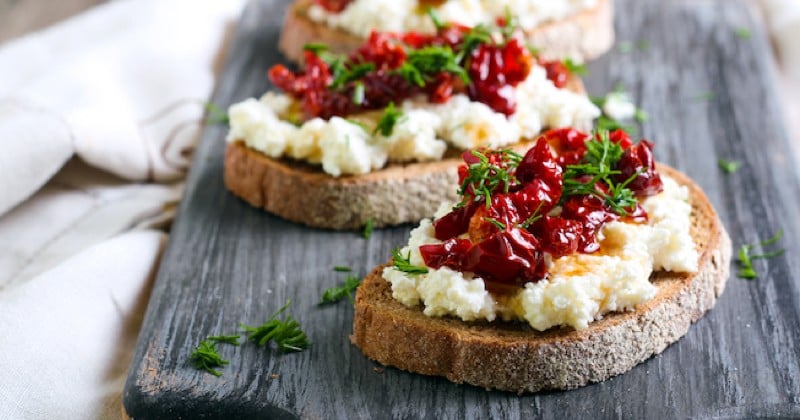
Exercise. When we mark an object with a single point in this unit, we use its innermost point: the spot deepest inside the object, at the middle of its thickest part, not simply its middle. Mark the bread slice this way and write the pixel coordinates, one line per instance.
(581, 37)
(513, 357)
(303, 193)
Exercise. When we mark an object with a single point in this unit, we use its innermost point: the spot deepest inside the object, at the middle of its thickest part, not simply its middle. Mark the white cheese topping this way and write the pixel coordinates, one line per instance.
(619, 106)
(362, 16)
(422, 133)
(580, 288)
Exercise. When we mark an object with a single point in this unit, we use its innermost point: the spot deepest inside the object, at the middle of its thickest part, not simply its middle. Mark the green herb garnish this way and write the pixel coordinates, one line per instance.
(745, 260)
(744, 33)
(286, 334)
(343, 75)
(602, 155)
(428, 61)
(368, 228)
(476, 36)
(391, 116)
(216, 115)
(575, 68)
(404, 264)
(342, 269)
(641, 116)
(335, 294)
(484, 177)
(206, 357)
(729, 166)
(437, 21)
(316, 48)
(625, 47)
(498, 224)
(705, 96)
(227, 339)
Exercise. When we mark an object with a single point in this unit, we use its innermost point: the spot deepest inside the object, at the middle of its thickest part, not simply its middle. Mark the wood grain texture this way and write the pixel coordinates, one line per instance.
(229, 263)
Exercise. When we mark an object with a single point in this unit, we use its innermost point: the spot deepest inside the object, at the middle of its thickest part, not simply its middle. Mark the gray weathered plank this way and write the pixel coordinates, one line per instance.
(227, 262)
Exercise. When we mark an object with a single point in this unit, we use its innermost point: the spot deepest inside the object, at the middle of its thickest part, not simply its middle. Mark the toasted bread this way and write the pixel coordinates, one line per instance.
(513, 357)
(303, 193)
(581, 37)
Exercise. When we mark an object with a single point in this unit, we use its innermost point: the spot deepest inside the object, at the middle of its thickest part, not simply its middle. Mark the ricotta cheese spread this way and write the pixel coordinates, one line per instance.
(580, 288)
(360, 17)
(423, 133)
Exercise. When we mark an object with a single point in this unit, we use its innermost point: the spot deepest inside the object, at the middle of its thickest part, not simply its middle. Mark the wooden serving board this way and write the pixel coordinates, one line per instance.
(229, 263)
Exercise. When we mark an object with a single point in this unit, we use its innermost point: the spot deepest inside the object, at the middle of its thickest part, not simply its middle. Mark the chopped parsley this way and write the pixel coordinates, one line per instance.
(575, 68)
(424, 62)
(498, 224)
(745, 260)
(403, 264)
(744, 33)
(316, 48)
(342, 269)
(484, 177)
(602, 155)
(729, 166)
(368, 228)
(335, 294)
(227, 339)
(391, 116)
(343, 75)
(206, 357)
(286, 334)
(705, 96)
(215, 115)
(624, 47)
(437, 21)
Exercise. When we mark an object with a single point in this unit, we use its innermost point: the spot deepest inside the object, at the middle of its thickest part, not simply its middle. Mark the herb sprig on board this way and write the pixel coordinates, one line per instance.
(745, 260)
(286, 333)
(337, 293)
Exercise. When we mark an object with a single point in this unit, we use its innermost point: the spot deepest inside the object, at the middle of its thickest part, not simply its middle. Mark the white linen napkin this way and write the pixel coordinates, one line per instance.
(98, 119)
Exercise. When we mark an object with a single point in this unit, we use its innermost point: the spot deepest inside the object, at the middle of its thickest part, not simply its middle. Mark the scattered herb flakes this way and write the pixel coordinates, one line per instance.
(744, 33)
(729, 166)
(286, 334)
(206, 357)
(745, 260)
(367, 233)
(215, 115)
(705, 96)
(391, 116)
(641, 116)
(227, 339)
(335, 294)
(575, 68)
(625, 47)
(342, 269)
(643, 45)
(404, 264)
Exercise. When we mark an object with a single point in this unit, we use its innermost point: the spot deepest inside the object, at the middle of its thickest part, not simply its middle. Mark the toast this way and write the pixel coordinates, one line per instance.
(511, 356)
(303, 193)
(581, 37)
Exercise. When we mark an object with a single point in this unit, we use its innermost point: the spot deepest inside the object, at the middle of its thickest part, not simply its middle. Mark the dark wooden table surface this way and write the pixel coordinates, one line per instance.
(710, 96)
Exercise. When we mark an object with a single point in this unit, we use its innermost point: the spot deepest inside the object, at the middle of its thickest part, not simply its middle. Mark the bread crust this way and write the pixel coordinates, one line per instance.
(581, 37)
(513, 357)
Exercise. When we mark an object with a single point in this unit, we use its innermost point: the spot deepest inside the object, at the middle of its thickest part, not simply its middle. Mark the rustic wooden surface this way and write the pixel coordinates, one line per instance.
(229, 263)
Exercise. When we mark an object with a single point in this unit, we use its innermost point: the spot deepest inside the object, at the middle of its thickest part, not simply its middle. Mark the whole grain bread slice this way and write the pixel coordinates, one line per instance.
(513, 357)
(303, 193)
(583, 36)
